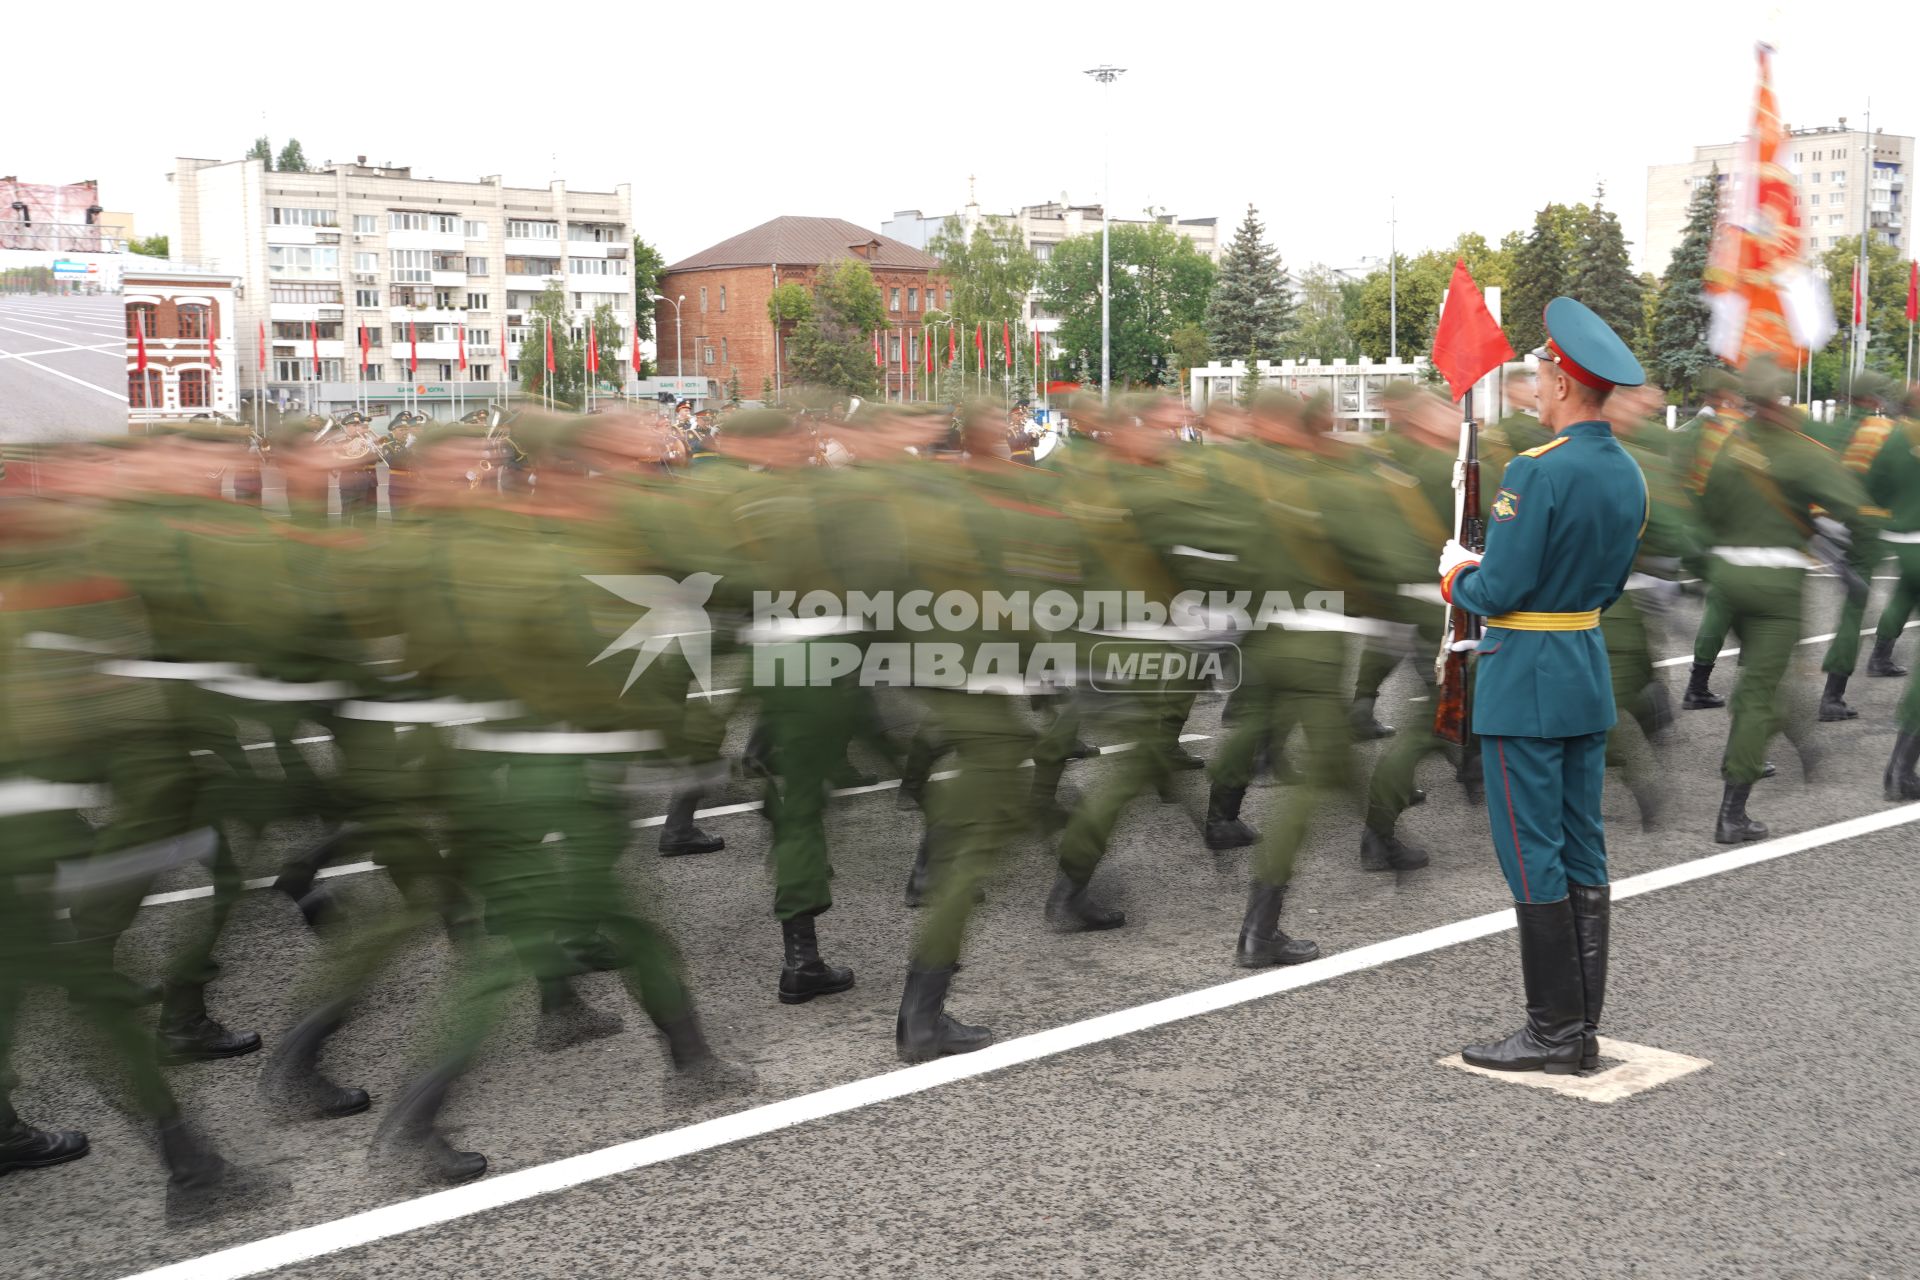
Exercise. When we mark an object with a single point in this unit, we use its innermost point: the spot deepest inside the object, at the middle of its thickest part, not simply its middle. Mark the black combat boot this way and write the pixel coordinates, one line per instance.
(1224, 828)
(1698, 697)
(1900, 782)
(1833, 699)
(1181, 760)
(187, 1034)
(805, 975)
(1734, 826)
(201, 1185)
(1071, 909)
(924, 1031)
(1383, 851)
(24, 1147)
(1592, 917)
(1262, 942)
(566, 1020)
(298, 874)
(699, 1074)
(1556, 997)
(292, 1079)
(680, 837)
(1366, 727)
(409, 1140)
(915, 771)
(918, 883)
(1880, 662)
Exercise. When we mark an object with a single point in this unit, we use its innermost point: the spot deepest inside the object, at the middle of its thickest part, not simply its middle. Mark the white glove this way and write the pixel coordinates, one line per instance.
(1453, 555)
(1833, 531)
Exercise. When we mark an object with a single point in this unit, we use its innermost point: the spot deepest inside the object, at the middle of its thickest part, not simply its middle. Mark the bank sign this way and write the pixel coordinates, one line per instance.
(68, 269)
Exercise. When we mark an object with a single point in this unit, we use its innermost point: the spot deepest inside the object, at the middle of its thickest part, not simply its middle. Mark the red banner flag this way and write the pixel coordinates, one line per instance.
(878, 363)
(313, 336)
(549, 344)
(463, 348)
(1859, 297)
(364, 346)
(413, 349)
(593, 349)
(980, 344)
(140, 339)
(1913, 291)
(1468, 343)
(636, 345)
(213, 339)
(953, 345)
(1036, 355)
(926, 347)
(1006, 343)
(262, 335)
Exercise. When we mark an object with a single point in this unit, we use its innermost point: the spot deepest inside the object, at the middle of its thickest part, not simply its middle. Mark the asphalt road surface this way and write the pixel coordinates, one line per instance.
(63, 367)
(1141, 1115)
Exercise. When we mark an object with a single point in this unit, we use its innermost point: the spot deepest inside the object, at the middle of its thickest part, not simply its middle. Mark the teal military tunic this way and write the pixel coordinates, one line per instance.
(1564, 530)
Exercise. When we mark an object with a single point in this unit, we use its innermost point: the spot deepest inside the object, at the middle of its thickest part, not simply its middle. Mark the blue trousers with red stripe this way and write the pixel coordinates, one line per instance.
(1543, 804)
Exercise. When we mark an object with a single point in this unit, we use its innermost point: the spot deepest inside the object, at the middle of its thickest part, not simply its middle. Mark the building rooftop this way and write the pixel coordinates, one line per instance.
(798, 241)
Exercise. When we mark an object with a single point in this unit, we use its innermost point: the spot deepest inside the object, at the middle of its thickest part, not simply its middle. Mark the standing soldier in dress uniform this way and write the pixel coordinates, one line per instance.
(1754, 506)
(1566, 526)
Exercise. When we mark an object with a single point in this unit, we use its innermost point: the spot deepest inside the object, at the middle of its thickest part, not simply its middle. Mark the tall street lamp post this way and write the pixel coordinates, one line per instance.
(1106, 75)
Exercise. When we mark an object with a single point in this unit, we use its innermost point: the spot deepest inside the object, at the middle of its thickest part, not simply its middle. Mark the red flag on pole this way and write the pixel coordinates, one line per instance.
(926, 347)
(1036, 354)
(463, 348)
(262, 335)
(636, 345)
(980, 344)
(1913, 291)
(313, 336)
(878, 363)
(213, 339)
(140, 339)
(1467, 343)
(549, 344)
(364, 346)
(593, 349)
(1006, 343)
(413, 349)
(953, 345)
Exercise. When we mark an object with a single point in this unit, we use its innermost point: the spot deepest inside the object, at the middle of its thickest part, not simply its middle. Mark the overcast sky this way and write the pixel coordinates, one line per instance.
(723, 115)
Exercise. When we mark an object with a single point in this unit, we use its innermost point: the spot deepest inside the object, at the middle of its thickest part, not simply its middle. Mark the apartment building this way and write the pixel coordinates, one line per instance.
(415, 261)
(1847, 179)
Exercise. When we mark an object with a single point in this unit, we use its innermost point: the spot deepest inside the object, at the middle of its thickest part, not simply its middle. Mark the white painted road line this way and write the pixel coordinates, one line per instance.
(408, 1216)
(1687, 659)
(120, 395)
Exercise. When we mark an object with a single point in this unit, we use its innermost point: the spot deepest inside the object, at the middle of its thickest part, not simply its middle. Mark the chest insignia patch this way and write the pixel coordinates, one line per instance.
(1506, 505)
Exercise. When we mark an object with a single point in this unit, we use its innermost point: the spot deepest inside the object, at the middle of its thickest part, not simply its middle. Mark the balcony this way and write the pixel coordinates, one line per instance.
(448, 279)
(440, 241)
(532, 284)
(402, 351)
(520, 247)
(426, 315)
(320, 312)
(293, 235)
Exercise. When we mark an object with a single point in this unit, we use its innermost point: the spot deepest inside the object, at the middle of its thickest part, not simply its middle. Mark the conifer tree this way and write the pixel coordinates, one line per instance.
(1251, 307)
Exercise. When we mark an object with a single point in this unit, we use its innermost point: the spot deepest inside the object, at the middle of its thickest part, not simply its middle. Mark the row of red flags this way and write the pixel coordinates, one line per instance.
(1913, 294)
(980, 345)
(413, 345)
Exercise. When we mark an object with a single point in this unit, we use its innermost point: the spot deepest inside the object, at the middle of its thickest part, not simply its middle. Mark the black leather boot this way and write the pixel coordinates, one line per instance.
(924, 1031)
(1833, 699)
(1181, 760)
(699, 1074)
(292, 1079)
(1900, 782)
(409, 1140)
(679, 836)
(1733, 825)
(1698, 697)
(918, 885)
(1556, 997)
(1880, 662)
(1366, 727)
(24, 1147)
(805, 975)
(297, 875)
(201, 1185)
(1224, 828)
(1592, 917)
(1386, 852)
(1071, 909)
(566, 1020)
(1262, 943)
(187, 1034)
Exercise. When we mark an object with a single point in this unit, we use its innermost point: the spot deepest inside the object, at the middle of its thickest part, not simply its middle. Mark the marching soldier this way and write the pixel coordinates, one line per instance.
(1566, 525)
(1871, 429)
(1893, 482)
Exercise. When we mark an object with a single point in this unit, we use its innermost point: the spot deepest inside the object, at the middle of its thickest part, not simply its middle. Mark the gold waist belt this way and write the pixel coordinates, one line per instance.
(1586, 620)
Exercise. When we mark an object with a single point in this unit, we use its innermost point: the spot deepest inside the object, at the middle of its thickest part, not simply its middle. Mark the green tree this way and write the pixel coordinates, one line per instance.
(549, 315)
(1403, 306)
(1190, 347)
(1251, 307)
(1604, 278)
(991, 271)
(647, 264)
(1540, 274)
(766, 389)
(733, 389)
(831, 346)
(292, 158)
(607, 337)
(1160, 283)
(261, 150)
(1677, 348)
(148, 246)
(1886, 314)
(1320, 317)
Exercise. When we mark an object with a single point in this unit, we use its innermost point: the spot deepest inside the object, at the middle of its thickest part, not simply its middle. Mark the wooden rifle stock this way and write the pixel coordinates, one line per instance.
(1450, 712)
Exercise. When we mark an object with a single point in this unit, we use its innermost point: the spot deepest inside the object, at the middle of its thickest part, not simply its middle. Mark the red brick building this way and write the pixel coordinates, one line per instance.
(724, 329)
(179, 324)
